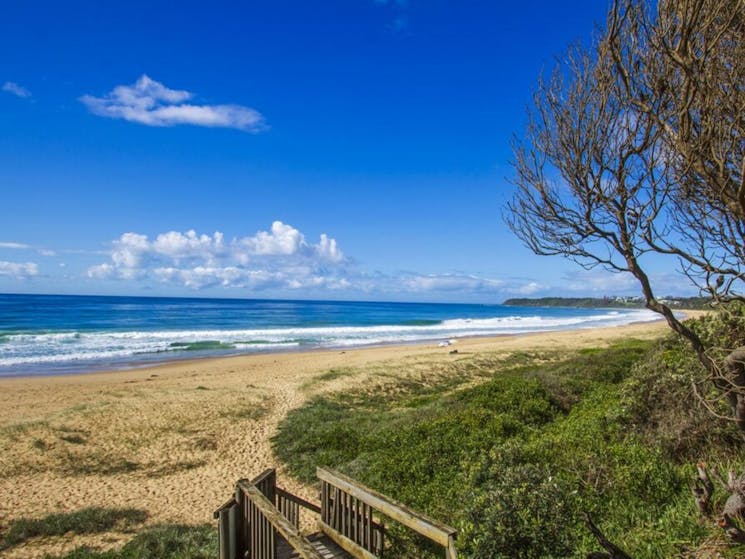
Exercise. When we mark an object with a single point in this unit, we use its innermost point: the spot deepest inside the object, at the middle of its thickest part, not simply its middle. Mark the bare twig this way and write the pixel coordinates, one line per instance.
(612, 550)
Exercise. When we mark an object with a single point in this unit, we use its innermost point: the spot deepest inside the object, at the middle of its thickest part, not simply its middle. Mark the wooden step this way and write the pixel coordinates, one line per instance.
(325, 546)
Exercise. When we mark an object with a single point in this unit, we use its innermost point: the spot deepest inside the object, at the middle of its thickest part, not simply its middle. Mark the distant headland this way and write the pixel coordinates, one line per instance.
(606, 302)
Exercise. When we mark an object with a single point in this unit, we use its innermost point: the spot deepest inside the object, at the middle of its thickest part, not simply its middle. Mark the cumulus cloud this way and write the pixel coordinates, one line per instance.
(282, 239)
(181, 246)
(17, 90)
(278, 258)
(18, 270)
(281, 260)
(328, 250)
(151, 103)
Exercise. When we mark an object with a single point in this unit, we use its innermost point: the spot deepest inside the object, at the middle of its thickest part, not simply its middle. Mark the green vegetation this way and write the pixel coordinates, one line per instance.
(516, 460)
(156, 542)
(171, 541)
(85, 521)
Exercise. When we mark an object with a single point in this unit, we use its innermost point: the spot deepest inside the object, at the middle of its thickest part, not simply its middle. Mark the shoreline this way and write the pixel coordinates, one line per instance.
(173, 439)
(190, 361)
(154, 360)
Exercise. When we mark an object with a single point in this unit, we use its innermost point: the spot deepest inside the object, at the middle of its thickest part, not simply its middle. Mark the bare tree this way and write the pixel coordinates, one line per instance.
(635, 147)
(684, 68)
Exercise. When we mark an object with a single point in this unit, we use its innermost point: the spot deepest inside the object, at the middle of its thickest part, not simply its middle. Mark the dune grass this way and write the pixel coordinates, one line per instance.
(513, 460)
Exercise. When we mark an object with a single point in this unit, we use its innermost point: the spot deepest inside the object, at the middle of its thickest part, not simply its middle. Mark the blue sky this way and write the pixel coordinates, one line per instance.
(335, 149)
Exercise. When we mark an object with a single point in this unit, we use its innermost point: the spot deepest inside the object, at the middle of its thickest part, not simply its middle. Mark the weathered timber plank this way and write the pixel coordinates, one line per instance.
(298, 500)
(322, 544)
(451, 553)
(355, 550)
(279, 523)
(434, 530)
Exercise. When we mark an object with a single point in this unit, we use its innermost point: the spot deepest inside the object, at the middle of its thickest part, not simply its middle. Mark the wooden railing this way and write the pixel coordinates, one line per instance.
(250, 522)
(347, 517)
(265, 522)
(290, 506)
(260, 514)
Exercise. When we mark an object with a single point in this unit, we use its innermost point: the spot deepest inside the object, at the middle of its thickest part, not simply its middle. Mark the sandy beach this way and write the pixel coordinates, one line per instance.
(172, 440)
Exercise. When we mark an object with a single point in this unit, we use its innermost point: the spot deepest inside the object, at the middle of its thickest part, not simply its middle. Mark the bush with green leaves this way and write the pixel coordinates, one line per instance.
(518, 511)
(515, 461)
(660, 401)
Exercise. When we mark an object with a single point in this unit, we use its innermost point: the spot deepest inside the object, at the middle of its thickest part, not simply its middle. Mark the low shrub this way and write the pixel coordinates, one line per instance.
(515, 461)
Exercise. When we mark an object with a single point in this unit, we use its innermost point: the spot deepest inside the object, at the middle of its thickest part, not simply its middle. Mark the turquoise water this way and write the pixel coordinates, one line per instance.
(56, 334)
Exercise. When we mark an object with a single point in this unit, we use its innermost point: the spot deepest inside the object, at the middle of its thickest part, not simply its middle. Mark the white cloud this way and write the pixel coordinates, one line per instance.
(281, 240)
(281, 261)
(452, 282)
(200, 277)
(129, 250)
(17, 90)
(279, 258)
(15, 246)
(102, 271)
(190, 245)
(599, 282)
(18, 270)
(151, 103)
(24, 246)
(328, 249)
(529, 288)
(285, 240)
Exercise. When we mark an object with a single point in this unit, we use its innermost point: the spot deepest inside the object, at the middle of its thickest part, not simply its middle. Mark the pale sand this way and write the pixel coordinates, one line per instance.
(189, 430)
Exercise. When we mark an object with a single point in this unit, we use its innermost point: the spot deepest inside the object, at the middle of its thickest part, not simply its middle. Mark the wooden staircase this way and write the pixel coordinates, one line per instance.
(262, 521)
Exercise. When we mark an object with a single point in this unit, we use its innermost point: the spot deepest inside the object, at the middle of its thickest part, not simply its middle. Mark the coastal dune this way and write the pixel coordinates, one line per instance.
(171, 440)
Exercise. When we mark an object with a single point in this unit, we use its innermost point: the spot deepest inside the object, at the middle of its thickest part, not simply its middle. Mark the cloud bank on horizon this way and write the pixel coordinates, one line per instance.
(281, 261)
(18, 270)
(278, 259)
(151, 103)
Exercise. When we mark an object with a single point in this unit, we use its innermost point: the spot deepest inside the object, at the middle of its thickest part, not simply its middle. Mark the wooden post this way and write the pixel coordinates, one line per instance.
(223, 531)
(239, 525)
(450, 553)
(235, 530)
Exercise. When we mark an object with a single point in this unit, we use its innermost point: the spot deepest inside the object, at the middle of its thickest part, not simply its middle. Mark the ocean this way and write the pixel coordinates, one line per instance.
(63, 334)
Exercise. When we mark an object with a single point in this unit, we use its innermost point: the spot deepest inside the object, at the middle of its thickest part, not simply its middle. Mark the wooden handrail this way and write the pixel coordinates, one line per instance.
(298, 500)
(263, 476)
(226, 505)
(432, 529)
(279, 523)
